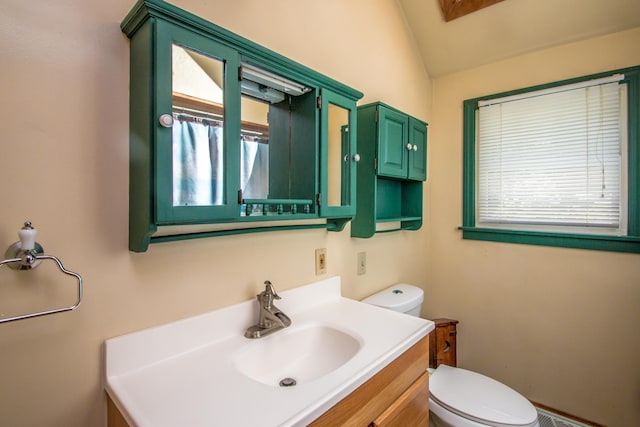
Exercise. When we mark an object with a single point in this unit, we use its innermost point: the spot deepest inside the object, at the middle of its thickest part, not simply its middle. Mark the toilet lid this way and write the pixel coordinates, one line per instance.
(480, 398)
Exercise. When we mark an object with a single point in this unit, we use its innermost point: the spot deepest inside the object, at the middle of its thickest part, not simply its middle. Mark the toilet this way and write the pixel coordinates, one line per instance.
(458, 397)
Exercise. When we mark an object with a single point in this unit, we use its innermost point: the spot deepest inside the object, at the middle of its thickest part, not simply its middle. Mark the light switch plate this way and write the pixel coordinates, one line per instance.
(362, 263)
(321, 261)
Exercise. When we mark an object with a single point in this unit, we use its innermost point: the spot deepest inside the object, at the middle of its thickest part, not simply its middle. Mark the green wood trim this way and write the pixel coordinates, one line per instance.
(363, 224)
(205, 234)
(412, 225)
(141, 148)
(577, 241)
(278, 201)
(626, 71)
(376, 104)
(270, 216)
(391, 230)
(347, 207)
(304, 166)
(393, 156)
(469, 164)
(629, 243)
(399, 219)
(417, 159)
(251, 52)
(632, 77)
(404, 226)
(337, 224)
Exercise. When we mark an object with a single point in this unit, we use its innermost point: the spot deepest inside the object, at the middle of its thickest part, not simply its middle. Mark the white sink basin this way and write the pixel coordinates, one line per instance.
(303, 354)
(202, 371)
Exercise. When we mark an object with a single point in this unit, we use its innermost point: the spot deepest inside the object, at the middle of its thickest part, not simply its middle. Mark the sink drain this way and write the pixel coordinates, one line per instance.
(287, 382)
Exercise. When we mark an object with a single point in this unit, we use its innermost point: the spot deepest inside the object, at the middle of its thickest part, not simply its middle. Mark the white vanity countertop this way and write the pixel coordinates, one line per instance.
(184, 373)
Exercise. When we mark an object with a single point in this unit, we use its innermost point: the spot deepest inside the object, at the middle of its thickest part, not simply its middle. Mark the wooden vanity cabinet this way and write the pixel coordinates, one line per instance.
(443, 343)
(398, 395)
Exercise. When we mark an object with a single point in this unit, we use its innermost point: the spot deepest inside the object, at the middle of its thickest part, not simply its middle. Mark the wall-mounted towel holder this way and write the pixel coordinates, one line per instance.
(27, 254)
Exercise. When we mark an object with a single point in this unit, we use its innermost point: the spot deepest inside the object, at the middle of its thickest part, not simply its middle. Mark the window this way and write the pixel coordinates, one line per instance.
(556, 164)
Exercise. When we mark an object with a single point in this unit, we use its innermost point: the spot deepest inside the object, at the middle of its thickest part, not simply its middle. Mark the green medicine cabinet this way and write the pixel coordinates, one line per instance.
(393, 151)
(229, 137)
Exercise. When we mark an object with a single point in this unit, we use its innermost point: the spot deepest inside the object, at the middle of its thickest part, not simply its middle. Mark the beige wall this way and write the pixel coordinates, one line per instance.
(64, 166)
(558, 325)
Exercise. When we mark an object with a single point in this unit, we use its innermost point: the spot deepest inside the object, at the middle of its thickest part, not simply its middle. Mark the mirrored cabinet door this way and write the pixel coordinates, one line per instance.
(197, 162)
(338, 155)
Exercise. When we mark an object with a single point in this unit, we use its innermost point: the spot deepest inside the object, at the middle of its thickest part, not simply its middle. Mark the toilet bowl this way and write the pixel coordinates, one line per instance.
(458, 397)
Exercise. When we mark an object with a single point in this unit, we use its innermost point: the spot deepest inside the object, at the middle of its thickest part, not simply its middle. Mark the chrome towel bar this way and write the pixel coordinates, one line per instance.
(27, 254)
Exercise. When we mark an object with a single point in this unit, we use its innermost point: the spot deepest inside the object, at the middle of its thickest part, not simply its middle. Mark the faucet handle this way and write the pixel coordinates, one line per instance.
(268, 289)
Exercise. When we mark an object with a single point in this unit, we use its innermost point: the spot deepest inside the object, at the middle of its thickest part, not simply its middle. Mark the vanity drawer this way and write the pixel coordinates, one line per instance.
(410, 409)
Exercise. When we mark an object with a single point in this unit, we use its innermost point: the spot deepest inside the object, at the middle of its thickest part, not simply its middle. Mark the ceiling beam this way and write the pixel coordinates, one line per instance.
(452, 9)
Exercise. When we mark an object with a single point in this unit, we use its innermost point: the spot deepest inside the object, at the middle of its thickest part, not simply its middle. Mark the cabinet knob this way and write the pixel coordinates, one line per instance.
(356, 157)
(415, 147)
(166, 120)
(409, 147)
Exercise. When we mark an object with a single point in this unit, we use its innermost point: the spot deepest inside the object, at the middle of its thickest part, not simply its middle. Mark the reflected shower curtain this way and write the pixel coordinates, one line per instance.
(198, 168)
(254, 169)
(197, 164)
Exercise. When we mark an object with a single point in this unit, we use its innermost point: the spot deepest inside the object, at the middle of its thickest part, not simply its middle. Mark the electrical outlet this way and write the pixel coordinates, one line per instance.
(321, 261)
(362, 263)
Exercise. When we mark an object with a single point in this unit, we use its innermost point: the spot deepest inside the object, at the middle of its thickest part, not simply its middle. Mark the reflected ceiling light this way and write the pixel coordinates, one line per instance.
(273, 81)
(260, 91)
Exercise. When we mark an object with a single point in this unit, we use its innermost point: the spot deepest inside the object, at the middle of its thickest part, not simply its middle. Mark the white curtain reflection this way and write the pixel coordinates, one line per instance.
(198, 174)
(198, 177)
(254, 169)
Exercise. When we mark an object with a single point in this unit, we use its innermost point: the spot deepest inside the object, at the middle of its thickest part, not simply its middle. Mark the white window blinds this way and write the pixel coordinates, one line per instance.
(553, 158)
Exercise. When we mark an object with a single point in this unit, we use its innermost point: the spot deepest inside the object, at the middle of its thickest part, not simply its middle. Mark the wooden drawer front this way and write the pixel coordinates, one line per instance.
(373, 397)
(411, 409)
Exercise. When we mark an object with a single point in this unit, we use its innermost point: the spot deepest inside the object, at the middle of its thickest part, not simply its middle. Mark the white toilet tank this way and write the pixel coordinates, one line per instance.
(401, 297)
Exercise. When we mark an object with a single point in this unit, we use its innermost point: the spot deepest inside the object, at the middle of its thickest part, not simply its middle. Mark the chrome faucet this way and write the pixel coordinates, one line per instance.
(270, 318)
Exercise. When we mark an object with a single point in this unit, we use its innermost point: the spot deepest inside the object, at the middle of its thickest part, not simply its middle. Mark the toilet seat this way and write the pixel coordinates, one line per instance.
(479, 398)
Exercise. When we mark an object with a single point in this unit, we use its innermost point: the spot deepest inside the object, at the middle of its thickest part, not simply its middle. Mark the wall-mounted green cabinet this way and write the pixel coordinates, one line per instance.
(229, 137)
(393, 152)
(402, 143)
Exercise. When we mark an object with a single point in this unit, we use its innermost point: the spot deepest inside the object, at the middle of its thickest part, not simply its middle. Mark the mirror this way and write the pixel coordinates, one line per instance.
(254, 150)
(277, 146)
(198, 126)
(339, 156)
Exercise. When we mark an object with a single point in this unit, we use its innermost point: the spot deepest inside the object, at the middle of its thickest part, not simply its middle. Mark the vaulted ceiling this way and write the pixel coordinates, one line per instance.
(510, 28)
